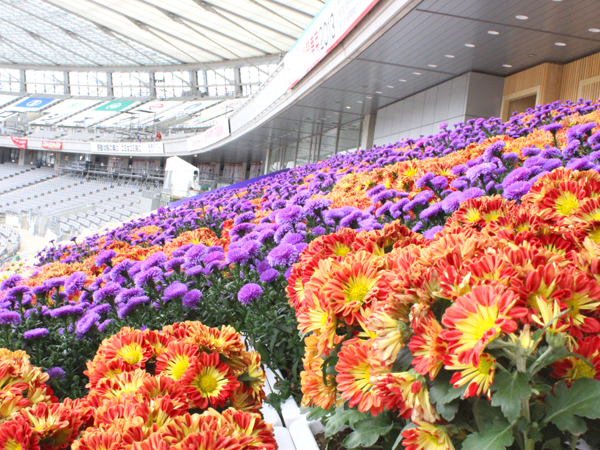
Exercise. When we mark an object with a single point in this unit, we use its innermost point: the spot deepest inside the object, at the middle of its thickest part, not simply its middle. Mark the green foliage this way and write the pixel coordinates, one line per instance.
(567, 406)
(496, 437)
(509, 390)
(368, 431)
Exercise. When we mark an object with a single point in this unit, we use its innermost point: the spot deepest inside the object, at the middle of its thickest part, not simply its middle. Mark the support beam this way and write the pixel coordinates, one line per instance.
(368, 131)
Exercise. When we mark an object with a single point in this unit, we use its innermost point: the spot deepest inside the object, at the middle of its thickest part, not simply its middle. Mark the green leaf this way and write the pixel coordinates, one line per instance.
(553, 444)
(341, 418)
(403, 360)
(567, 406)
(496, 437)
(510, 389)
(444, 395)
(316, 413)
(367, 432)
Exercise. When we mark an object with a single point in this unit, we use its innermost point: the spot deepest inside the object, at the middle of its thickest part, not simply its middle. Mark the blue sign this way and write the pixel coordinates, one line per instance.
(33, 103)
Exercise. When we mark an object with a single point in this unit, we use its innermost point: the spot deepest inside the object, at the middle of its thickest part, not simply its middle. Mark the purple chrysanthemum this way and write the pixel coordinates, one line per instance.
(269, 275)
(67, 310)
(282, 255)
(36, 333)
(249, 293)
(191, 298)
(10, 318)
(56, 373)
(174, 290)
(105, 257)
(75, 283)
(85, 324)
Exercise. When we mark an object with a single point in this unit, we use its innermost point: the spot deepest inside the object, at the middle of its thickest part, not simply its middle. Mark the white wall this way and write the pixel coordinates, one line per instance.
(465, 97)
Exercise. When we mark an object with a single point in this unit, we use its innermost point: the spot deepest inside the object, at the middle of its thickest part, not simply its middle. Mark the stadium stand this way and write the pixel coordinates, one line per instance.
(23, 178)
(9, 244)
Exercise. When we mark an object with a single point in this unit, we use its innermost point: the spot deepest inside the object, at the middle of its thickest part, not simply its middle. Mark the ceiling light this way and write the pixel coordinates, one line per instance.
(594, 30)
(416, 73)
(368, 96)
(521, 17)
(449, 56)
(378, 92)
(470, 45)
(531, 55)
(431, 65)
(494, 33)
(390, 87)
(348, 107)
(402, 80)
(506, 65)
(358, 101)
(560, 44)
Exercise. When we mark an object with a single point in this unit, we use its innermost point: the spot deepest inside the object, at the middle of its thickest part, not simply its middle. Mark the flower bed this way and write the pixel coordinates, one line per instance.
(450, 199)
(185, 387)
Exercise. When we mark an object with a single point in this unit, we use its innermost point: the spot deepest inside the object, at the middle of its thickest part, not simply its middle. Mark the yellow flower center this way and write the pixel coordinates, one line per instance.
(179, 366)
(356, 290)
(207, 383)
(580, 370)
(486, 365)
(566, 203)
(594, 215)
(411, 171)
(491, 216)
(482, 326)
(324, 317)
(523, 227)
(472, 215)
(131, 353)
(595, 235)
(340, 249)
(11, 444)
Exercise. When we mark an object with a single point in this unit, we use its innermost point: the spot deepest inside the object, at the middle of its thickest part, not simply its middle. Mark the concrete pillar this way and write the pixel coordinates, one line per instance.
(23, 86)
(22, 153)
(66, 84)
(217, 170)
(57, 157)
(267, 161)
(152, 85)
(109, 85)
(368, 131)
(245, 170)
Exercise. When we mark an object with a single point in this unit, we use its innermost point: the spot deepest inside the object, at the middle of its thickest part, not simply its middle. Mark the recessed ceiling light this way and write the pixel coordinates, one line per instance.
(368, 96)
(390, 87)
(560, 44)
(494, 33)
(506, 65)
(431, 65)
(521, 17)
(470, 45)
(402, 80)
(594, 30)
(531, 55)
(358, 101)
(416, 73)
(449, 56)
(378, 92)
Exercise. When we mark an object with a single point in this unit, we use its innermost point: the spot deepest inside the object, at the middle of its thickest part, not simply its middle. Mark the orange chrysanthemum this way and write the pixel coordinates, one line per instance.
(176, 360)
(427, 437)
(208, 382)
(356, 370)
(476, 319)
(479, 377)
(17, 434)
(427, 347)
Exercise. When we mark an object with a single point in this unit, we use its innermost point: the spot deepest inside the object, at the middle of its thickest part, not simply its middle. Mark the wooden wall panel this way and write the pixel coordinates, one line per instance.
(526, 79)
(577, 71)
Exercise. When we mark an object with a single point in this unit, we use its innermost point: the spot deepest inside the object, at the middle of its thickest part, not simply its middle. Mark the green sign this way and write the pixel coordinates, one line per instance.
(115, 105)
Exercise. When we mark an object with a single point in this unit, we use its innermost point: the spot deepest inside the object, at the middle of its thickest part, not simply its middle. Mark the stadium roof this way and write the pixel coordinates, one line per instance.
(136, 33)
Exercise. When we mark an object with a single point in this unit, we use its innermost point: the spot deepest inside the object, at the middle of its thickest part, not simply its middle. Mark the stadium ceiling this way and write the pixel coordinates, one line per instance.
(135, 33)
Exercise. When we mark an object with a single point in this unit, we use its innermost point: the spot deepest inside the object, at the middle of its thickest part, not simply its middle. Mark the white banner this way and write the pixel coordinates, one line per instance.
(210, 136)
(335, 20)
(127, 147)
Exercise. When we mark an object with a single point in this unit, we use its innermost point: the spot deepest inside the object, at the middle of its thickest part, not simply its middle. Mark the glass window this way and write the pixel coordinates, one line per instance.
(10, 80)
(172, 84)
(220, 82)
(131, 84)
(45, 81)
(252, 77)
(88, 83)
